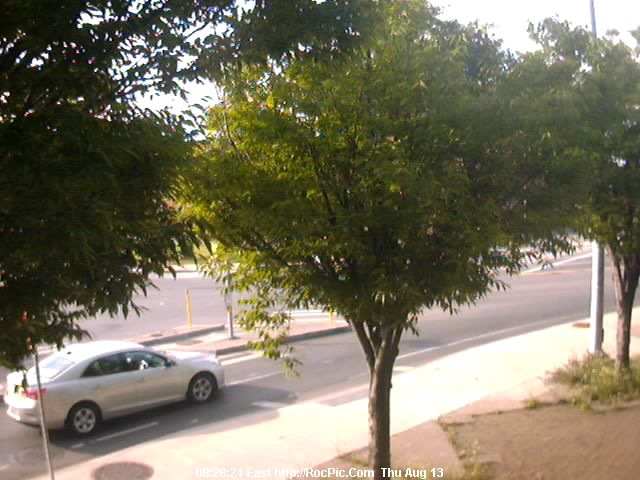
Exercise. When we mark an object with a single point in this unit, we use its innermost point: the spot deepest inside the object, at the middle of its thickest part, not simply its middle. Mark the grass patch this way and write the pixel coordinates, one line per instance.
(597, 380)
(355, 458)
(475, 471)
(532, 404)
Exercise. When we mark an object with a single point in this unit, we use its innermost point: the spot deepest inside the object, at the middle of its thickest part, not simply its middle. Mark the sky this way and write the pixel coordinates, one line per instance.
(509, 20)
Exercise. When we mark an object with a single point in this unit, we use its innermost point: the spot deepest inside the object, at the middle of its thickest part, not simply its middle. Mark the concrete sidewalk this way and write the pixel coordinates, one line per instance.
(278, 442)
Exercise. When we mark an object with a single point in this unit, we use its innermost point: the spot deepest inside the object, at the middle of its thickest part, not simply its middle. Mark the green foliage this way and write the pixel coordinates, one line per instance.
(86, 217)
(598, 379)
(475, 471)
(279, 31)
(86, 210)
(86, 195)
(603, 78)
(407, 176)
(383, 185)
(532, 404)
(611, 98)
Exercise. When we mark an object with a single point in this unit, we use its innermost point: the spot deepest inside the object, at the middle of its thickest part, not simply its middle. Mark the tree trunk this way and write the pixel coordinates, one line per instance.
(626, 283)
(380, 419)
(623, 334)
(380, 405)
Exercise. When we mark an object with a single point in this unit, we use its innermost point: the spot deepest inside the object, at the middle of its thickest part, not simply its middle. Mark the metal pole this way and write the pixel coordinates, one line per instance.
(189, 311)
(596, 330)
(228, 300)
(43, 420)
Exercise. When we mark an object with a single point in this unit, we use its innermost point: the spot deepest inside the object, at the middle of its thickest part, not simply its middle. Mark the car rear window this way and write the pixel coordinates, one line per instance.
(54, 365)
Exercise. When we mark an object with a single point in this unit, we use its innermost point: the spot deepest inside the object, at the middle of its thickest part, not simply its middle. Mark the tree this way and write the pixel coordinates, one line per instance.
(86, 210)
(377, 186)
(601, 82)
(611, 102)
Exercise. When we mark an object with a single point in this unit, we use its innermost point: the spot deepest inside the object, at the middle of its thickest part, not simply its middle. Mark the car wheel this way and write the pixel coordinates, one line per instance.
(83, 419)
(202, 388)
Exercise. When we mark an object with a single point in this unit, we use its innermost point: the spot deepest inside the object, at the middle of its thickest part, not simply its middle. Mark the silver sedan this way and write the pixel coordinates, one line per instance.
(89, 382)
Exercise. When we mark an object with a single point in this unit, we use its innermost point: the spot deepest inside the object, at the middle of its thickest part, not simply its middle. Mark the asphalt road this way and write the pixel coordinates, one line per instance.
(164, 307)
(332, 370)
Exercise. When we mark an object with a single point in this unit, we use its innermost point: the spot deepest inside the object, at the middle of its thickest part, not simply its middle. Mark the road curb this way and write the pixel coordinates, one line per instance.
(290, 339)
(171, 337)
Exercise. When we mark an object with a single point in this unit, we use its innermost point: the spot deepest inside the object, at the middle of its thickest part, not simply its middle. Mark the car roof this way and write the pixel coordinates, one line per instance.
(83, 351)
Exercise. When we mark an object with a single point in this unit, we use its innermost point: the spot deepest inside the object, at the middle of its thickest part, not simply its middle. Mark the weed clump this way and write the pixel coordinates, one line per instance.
(597, 379)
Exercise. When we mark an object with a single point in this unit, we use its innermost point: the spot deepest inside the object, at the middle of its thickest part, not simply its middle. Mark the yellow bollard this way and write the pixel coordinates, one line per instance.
(189, 316)
(332, 316)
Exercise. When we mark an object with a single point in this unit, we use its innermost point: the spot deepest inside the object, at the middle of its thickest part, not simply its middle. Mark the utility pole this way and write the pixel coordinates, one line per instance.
(228, 301)
(596, 330)
(43, 419)
(40, 393)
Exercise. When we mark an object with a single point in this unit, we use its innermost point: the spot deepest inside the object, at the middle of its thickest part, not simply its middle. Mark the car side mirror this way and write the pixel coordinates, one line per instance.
(169, 363)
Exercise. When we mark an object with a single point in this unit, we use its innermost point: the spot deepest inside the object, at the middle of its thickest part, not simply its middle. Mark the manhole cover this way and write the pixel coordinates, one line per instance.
(122, 470)
(30, 456)
(581, 324)
(188, 342)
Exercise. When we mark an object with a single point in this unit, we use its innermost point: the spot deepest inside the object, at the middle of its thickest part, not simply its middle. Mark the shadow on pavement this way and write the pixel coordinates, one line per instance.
(235, 402)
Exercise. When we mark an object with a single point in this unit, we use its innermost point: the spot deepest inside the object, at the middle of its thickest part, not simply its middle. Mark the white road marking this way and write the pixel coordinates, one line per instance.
(77, 445)
(313, 311)
(403, 368)
(234, 355)
(477, 337)
(557, 264)
(270, 405)
(252, 379)
(418, 352)
(127, 432)
(246, 357)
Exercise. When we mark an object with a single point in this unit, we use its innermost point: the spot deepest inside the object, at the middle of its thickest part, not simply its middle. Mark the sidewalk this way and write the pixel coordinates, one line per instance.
(276, 442)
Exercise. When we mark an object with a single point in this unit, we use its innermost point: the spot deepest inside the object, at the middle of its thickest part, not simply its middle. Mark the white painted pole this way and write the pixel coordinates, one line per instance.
(596, 330)
(43, 420)
(228, 300)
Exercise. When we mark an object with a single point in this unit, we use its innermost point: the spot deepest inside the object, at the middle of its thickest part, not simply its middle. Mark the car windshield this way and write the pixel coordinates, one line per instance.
(54, 365)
